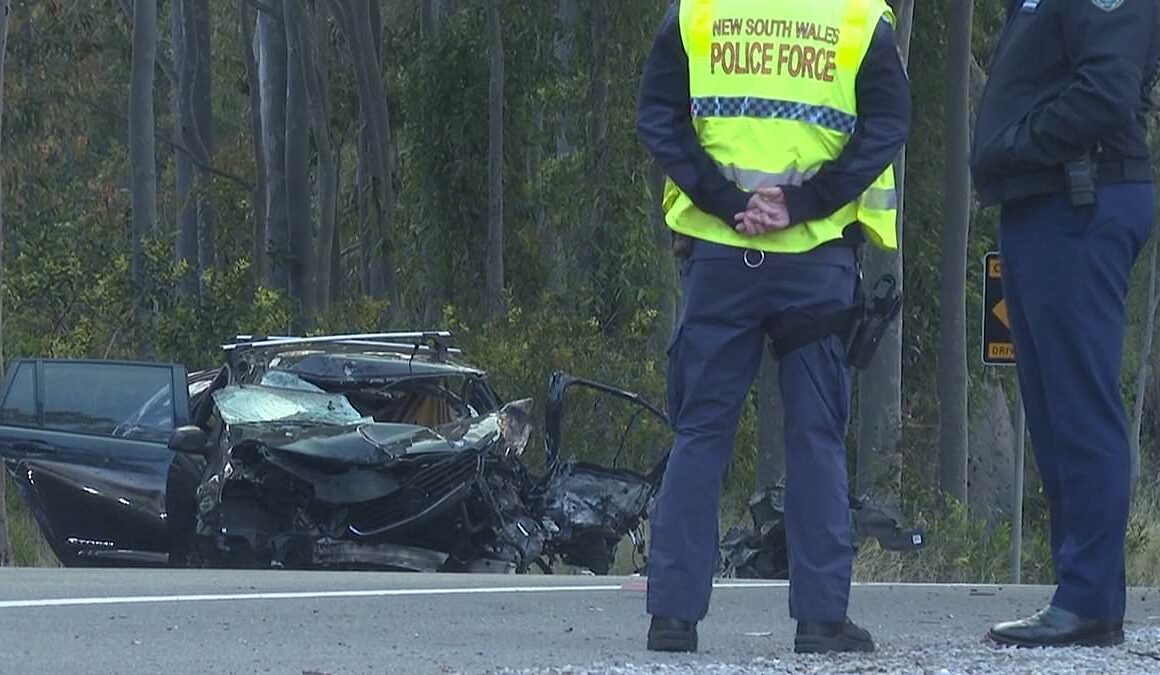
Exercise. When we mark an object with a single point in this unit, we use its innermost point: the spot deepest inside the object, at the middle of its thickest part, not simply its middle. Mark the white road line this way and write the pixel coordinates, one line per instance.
(636, 585)
(306, 595)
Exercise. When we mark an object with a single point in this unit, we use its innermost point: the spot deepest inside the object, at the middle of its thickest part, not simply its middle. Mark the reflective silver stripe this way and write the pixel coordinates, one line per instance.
(769, 108)
(751, 179)
(880, 199)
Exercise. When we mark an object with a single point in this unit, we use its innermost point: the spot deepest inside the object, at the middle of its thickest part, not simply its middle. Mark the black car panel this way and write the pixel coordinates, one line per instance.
(89, 454)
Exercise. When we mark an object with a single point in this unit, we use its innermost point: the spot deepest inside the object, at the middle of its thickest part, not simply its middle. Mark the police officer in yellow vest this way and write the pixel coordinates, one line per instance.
(777, 124)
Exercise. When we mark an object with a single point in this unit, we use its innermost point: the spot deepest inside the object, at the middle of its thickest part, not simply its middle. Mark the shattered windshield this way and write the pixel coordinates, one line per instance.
(258, 404)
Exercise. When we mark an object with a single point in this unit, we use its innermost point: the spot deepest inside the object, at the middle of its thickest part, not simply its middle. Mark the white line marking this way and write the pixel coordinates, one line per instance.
(632, 585)
(305, 595)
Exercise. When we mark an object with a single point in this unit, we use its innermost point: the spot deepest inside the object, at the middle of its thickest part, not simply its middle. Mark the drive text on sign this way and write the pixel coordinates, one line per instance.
(756, 52)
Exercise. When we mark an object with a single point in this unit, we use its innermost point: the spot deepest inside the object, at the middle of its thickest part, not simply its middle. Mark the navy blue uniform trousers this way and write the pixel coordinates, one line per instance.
(1065, 278)
(728, 311)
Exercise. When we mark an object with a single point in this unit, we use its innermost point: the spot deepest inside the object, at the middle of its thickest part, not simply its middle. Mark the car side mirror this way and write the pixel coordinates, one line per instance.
(189, 439)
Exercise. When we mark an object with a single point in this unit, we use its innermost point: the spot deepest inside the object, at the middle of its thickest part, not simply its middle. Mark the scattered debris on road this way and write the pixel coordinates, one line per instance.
(762, 553)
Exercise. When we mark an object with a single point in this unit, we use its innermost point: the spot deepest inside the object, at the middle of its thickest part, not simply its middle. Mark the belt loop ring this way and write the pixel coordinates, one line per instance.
(745, 259)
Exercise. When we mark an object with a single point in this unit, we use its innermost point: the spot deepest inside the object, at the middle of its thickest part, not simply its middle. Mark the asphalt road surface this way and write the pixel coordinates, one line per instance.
(200, 621)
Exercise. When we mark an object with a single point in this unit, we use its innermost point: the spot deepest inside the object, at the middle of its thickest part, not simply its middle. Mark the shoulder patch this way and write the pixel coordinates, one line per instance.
(1108, 5)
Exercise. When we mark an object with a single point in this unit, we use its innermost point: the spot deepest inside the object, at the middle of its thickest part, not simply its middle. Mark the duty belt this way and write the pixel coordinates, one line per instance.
(1067, 177)
(860, 326)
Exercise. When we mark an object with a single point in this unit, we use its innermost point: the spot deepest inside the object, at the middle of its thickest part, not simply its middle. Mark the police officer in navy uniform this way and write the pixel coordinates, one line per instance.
(776, 125)
(1060, 145)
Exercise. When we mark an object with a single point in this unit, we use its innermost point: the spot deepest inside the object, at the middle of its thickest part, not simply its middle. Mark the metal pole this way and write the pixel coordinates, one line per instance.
(1017, 491)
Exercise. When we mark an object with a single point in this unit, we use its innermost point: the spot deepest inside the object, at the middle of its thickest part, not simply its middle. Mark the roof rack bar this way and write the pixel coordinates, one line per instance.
(341, 336)
(397, 345)
(414, 338)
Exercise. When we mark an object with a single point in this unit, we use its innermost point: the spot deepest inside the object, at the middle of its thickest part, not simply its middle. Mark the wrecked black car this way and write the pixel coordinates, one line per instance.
(373, 451)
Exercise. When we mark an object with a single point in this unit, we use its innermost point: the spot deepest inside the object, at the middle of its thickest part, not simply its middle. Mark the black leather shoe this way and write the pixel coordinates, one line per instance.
(672, 635)
(842, 636)
(1055, 627)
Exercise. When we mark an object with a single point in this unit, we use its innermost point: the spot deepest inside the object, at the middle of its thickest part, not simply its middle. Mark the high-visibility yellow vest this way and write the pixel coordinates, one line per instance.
(773, 98)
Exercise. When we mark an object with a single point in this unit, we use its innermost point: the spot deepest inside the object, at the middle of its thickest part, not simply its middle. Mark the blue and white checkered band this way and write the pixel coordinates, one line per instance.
(767, 108)
(1108, 5)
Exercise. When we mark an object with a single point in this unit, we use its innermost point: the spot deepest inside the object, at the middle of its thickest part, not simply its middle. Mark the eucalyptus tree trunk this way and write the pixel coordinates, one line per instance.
(272, 76)
(666, 265)
(200, 137)
(952, 365)
(770, 469)
(314, 60)
(186, 240)
(879, 409)
(596, 212)
(142, 151)
(193, 135)
(495, 118)
(300, 270)
(554, 230)
(361, 22)
(432, 15)
(261, 263)
(436, 271)
(5, 543)
(1144, 372)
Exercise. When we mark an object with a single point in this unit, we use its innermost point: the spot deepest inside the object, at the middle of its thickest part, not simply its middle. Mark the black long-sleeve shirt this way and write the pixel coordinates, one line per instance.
(665, 127)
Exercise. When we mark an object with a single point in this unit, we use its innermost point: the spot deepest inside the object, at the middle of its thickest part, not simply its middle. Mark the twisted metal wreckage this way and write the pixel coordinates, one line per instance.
(365, 451)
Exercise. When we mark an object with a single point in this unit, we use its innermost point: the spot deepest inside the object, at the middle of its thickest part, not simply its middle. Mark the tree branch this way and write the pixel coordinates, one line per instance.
(265, 7)
(166, 137)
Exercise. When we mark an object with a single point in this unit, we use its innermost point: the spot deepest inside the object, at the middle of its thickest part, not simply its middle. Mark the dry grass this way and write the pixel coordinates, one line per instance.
(29, 548)
(964, 550)
(1144, 539)
(959, 549)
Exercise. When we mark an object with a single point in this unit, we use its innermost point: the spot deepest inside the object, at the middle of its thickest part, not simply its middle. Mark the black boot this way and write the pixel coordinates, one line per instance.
(1055, 627)
(842, 636)
(672, 635)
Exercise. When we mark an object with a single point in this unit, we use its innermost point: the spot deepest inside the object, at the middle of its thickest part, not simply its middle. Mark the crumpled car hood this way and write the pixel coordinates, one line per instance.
(363, 444)
(375, 443)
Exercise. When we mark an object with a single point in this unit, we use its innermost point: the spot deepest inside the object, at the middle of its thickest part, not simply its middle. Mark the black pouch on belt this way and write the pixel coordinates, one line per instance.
(875, 316)
(1081, 182)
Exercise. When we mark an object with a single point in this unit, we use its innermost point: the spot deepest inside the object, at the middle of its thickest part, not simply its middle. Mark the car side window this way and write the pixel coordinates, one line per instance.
(125, 401)
(19, 406)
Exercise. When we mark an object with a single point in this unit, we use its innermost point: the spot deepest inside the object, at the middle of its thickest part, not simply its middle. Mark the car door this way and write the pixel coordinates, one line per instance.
(86, 441)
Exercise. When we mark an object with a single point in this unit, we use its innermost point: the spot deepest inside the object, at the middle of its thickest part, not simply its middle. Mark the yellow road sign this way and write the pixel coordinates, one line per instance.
(998, 347)
(1000, 312)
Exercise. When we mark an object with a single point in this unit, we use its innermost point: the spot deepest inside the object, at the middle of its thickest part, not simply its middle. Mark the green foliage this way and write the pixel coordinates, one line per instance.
(188, 331)
(523, 349)
(360, 314)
